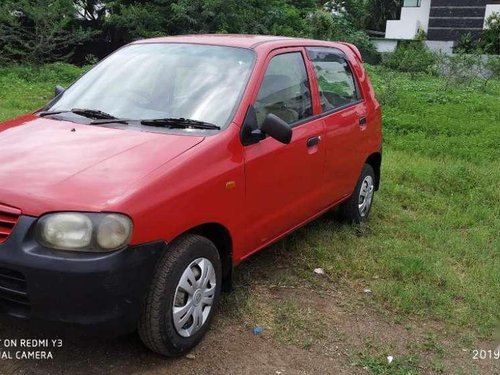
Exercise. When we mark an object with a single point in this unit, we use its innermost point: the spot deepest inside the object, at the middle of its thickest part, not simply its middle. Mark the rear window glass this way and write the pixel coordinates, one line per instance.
(337, 85)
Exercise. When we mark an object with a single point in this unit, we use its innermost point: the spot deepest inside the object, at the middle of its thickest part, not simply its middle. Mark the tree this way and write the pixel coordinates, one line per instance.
(38, 31)
(379, 11)
(142, 19)
(338, 27)
(355, 11)
(90, 10)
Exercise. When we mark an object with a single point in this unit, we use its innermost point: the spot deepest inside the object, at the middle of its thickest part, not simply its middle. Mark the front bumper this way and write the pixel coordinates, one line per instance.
(100, 292)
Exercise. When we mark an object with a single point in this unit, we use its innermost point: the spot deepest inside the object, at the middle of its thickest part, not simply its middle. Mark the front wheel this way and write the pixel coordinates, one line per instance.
(357, 208)
(182, 298)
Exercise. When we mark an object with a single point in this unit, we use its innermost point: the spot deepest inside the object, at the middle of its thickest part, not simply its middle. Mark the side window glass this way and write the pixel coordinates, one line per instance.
(285, 90)
(337, 86)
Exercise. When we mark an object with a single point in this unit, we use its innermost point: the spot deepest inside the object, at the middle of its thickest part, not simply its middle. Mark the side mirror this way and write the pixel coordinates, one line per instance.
(250, 132)
(277, 129)
(58, 90)
(272, 126)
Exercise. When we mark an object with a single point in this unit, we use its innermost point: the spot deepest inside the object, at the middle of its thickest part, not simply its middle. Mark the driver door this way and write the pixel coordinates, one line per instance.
(283, 180)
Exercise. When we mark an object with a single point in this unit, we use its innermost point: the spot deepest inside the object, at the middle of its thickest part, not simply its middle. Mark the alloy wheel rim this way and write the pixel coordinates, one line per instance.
(194, 297)
(365, 196)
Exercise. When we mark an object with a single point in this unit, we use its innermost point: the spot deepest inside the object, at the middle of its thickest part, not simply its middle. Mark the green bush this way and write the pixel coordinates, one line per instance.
(490, 40)
(460, 68)
(387, 89)
(469, 69)
(325, 26)
(493, 65)
(467, 43)
(412, 57)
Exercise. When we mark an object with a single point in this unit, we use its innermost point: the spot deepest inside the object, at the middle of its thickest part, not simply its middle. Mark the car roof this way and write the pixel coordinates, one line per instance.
(262, 44)
(241, 40)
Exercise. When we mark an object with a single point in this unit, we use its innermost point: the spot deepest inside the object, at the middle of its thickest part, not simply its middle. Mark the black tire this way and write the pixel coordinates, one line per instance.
(156, 326)
(349, 210)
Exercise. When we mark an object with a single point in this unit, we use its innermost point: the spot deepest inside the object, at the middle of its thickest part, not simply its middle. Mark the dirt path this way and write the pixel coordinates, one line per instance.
(311, 328)
(351, 335)
(227, 349)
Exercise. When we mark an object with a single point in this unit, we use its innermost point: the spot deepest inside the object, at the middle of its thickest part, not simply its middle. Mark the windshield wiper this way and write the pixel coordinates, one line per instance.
(89, 113)
(93, 114)
(49, 113)
(180, 123)
(110, 121)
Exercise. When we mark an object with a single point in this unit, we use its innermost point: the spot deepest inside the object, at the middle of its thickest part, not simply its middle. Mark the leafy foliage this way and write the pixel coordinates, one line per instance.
(210, 16)
(469, 69)
(411, 57)
(327, 27)
(490, 40)
(465, 67)
(38, 31)
(379, 11)
(467, 43)
(488, 43)
(493, 65)
(355, 11)
(366, 14)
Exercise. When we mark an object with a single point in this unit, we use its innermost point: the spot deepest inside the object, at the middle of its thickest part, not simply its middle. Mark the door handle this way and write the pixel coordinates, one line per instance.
(362, 121)
(313, 141)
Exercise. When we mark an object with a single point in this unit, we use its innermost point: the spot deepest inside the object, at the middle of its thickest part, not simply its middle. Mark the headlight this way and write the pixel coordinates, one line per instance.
(84, 231)
(113, 231)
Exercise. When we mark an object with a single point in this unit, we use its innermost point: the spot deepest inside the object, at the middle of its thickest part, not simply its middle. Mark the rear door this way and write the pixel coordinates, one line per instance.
(283, 181)
(344, 114)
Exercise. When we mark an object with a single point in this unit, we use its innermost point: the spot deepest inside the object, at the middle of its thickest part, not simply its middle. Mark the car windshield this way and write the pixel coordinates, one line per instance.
(157, 81)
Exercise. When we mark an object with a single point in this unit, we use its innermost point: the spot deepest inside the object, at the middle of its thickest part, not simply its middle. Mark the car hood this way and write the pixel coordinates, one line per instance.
(48, 165)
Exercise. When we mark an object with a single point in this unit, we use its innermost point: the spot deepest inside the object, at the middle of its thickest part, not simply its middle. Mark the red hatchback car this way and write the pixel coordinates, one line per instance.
(126, 202)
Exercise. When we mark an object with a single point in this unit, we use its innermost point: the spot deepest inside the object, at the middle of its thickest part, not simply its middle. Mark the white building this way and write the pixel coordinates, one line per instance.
(444, 22)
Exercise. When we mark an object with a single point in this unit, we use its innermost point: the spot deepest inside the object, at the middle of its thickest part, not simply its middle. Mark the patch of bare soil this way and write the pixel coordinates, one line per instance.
(349, 336)
(229, 348)
(355, 330)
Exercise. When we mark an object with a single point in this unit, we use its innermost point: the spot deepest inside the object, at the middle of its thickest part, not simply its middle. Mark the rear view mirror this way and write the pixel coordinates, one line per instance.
(58, 90)
(277, 128)
(272, 126)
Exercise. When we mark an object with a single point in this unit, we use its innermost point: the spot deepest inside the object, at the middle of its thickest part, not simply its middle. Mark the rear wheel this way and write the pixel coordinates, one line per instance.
(182, 298)
(357, 208)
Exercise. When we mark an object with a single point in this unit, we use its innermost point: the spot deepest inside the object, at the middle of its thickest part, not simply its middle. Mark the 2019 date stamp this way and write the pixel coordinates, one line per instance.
(484, 354)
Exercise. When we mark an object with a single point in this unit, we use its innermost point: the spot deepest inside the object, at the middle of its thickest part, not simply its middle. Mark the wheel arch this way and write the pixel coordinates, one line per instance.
(221, 237)
(375, 161)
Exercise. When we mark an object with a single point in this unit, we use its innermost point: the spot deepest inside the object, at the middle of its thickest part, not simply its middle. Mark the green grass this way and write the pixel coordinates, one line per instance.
(407, 365)
(431, 249)
(24, 89)
(434, 233)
